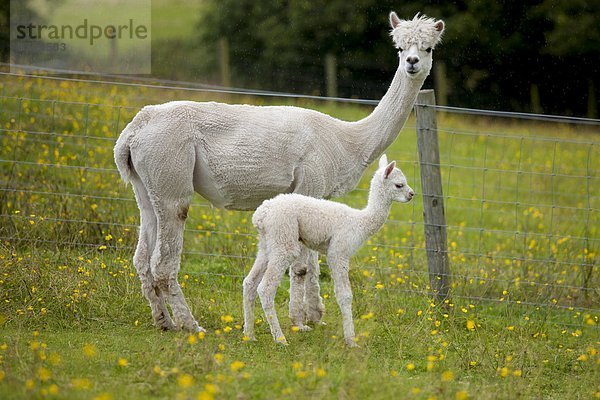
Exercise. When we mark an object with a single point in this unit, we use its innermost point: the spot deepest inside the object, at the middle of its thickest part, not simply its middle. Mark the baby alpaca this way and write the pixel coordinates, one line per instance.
(288, 222)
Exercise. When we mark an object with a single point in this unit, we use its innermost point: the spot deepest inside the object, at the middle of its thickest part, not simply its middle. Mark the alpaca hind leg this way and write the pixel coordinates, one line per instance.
(143, 253)
(279, 261)
(298, 271)
(167, 173)
(166, 260)
(313, 303)
(343, 293)
(250, 285)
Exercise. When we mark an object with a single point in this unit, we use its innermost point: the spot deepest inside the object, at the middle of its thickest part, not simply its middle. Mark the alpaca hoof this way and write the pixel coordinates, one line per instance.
(351, 343)
(195, 328)
(249, 337)
(166, 328)
(165, 324)
(314, 314)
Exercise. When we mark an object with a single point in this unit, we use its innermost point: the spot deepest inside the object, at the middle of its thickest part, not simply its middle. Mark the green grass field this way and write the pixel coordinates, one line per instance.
(522, 211)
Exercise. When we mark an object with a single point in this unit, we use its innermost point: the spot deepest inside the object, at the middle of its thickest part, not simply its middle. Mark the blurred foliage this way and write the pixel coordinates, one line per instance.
(25, 10)
(540, 55)
(4, 32)
(494, 51)
(575, 27)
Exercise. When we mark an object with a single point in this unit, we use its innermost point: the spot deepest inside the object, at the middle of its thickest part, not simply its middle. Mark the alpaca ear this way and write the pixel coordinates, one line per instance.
(383, 161)
(394, 20)
(389, 169)
(439, 26)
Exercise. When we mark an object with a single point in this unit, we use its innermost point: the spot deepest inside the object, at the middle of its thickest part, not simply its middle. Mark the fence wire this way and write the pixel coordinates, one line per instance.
(522, 208)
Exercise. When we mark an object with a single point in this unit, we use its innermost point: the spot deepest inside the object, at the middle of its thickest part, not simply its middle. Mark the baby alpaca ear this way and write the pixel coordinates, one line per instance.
(394, 20)
(439, 27)
(389, 169)
(383, 161)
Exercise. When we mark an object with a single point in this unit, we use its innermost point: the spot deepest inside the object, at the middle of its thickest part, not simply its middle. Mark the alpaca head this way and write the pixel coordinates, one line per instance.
(393, 182)
(415, 39)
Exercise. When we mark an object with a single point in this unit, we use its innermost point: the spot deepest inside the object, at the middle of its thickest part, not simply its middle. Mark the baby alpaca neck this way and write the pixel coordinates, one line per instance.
(377, 210)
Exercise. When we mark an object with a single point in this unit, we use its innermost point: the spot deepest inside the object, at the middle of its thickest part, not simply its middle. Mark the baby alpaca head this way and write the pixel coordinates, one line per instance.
(415, 40)
(393, 181)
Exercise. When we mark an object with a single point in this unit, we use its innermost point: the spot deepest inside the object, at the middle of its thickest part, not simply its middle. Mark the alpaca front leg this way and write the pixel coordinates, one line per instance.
(343, 294)
(250, 285)
(267, 289)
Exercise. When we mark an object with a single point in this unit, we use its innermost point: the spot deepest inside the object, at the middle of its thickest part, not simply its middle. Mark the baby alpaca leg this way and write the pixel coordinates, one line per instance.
(251, 283)
(298, 271)
(279, 260)
(313, 303)
(343, 293)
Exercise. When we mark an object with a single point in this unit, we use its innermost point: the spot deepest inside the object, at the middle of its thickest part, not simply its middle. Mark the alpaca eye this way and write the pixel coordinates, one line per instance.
(428, 50)
(400, 186)
(400, 49)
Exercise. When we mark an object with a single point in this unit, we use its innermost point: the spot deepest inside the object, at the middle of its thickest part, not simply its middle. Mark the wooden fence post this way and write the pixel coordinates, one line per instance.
(224, 62)
(433, 199)
(331, 75)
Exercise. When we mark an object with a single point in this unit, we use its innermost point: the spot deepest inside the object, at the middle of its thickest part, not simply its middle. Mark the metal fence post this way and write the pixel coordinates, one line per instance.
(433, 199)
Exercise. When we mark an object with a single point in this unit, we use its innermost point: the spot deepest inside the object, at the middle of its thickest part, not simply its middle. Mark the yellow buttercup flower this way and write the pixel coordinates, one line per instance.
(211, 388)
(447, 376)
(237, 365)
(89, 350)
(226, 318)
(369, 315)
(204, 395)
(44, 374)
(81, 383)
(185, 381)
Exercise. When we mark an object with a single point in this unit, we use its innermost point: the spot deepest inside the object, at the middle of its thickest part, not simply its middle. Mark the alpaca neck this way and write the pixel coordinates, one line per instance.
(382, 126)
(377, 210)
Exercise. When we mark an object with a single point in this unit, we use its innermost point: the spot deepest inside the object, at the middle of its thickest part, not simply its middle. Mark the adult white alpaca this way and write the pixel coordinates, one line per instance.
(289, 222)
(236, 156)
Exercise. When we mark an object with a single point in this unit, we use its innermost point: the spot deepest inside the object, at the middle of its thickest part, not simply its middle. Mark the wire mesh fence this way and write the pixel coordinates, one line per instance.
(521, 198)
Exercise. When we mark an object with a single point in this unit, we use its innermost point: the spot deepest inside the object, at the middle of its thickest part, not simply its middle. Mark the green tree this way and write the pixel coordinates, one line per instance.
(282, 44)
(526, 56)
(574, 39)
